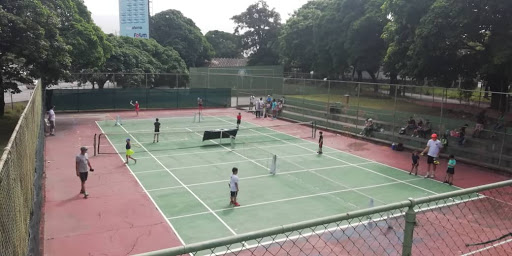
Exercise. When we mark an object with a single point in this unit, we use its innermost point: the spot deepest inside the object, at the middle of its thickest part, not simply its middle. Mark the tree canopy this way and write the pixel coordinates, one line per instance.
(224, 44)
(172, 28)
(259, 26)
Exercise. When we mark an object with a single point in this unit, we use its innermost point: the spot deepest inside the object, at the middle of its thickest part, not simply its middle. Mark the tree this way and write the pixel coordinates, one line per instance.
(171, 28)
(138, 60)
(298, 38)
(403, 18)
(88, 46)
(466, 39)
(259, 26)
(224, 44)
(31, 46)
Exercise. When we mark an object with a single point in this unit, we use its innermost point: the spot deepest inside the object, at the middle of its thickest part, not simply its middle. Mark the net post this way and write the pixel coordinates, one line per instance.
(99, 142)
(94, 143)
(410, 222)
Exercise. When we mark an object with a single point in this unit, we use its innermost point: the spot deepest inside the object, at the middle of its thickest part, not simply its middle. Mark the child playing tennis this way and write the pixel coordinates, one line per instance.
(200, 104)
(157, 131)
(137, 107)
(238, 120)
(320, 143)
(415, 163)
(450, 171)
(129, 151)
(233, 186)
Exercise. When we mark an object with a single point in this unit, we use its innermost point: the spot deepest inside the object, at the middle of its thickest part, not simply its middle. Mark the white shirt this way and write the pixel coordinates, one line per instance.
(233, 182)
(434, 147)
(82, 161)
(258, 104)
(51, 115)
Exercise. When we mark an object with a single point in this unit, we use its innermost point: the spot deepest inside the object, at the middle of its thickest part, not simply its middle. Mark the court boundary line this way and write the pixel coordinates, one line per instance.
(179, 181)
(291, 238)
(369, 170)
(256, 177)
(145, 191)
(347, 189)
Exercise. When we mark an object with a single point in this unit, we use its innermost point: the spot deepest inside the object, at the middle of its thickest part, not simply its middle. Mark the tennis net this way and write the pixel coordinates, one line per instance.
(194, 137)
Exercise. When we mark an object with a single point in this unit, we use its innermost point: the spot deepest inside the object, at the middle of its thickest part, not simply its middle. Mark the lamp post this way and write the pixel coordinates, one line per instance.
(312, 73)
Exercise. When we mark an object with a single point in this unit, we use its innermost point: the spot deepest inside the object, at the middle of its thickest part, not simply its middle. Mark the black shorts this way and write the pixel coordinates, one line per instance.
(83, 176)
(415, 163)
(157, 132)
(430, 160)
(52, 124)
(450, 170)
(238, 121)
(234, 193)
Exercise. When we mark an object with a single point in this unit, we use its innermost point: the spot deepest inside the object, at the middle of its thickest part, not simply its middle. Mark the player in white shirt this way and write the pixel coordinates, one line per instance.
(433, 148)
(233, 186)
(51, 120)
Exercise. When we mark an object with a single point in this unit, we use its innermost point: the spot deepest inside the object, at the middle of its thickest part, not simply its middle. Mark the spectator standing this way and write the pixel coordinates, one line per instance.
(51, 119)
(433, 148)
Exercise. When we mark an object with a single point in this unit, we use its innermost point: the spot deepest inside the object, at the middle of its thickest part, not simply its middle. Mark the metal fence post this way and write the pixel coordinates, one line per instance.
(358, 102)
(502, 146)
(410, 222)
(394, 110)
(328, 100)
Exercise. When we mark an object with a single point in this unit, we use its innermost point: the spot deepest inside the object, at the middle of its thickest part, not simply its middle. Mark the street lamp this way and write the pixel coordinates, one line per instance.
(312, 73)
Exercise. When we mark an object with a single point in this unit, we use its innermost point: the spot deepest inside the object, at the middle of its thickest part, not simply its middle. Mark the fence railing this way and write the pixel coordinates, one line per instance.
(17, 174)
(464, 222)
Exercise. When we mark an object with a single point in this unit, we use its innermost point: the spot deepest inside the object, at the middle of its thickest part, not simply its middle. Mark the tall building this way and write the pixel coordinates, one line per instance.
(134, 18)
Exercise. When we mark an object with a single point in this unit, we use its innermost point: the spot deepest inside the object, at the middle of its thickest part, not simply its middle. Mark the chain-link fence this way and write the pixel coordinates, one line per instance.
(19, 166)
(465, 222)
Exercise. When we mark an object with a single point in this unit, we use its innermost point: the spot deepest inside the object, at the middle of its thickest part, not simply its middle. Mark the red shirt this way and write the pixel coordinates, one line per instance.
(136, 105)
(239, 117)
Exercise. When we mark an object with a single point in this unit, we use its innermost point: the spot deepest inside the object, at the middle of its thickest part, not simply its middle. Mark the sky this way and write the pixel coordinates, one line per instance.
(207, 14)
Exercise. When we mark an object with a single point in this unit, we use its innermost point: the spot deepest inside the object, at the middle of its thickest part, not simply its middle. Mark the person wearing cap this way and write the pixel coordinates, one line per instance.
(83, 166)
(433, 148)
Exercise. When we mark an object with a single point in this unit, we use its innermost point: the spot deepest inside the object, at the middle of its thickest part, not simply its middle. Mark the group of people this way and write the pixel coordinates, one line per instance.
(419, 129)
(268, 108)
(433, 149)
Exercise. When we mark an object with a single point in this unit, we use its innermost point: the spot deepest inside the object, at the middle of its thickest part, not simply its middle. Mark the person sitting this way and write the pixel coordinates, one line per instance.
(427, 129)
(368, 128)
(462, 134)
(418, 130)
(411, 124)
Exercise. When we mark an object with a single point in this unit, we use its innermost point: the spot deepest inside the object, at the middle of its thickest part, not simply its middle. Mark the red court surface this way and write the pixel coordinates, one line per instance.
(119, 218)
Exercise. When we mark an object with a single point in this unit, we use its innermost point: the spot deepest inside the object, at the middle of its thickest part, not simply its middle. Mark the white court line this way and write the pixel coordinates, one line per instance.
(487, 248)
(182, 184)
(294, 198)
(150, 171)
(143, 188)
(369, 170)
(259, 176)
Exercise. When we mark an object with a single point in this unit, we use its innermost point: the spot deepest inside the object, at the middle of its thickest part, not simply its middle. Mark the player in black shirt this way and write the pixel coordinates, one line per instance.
(320, 143)
(157, 131)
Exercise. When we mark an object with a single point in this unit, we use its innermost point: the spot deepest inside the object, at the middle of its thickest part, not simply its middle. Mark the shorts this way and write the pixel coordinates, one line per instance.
(238, 121)
(129, 152)
(157, 132)
(234, 193)
(320, 145)
(52, 124)
(83, 176)
(450, 170)
(415, 164)
(430, 160)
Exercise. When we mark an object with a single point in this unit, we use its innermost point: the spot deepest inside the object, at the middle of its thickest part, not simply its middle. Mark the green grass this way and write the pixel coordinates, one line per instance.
(9, 120)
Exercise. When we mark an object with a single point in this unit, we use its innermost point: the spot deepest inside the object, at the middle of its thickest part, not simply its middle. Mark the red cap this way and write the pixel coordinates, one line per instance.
(434, 135)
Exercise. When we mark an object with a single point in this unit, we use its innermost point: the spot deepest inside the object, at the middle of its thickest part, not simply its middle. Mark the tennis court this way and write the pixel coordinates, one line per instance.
(188, 179)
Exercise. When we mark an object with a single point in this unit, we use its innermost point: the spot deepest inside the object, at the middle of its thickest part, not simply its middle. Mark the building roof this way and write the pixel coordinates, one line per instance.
(227, 62)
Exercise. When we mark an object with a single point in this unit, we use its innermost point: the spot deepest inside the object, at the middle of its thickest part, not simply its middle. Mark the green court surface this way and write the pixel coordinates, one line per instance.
(188, 178)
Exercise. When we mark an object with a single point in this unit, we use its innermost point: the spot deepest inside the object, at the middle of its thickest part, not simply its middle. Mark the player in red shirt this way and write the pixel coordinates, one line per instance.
(137, 107)
(238, 120)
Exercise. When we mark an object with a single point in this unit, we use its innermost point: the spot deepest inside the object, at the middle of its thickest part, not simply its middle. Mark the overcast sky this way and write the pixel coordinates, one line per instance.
(207, 14)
